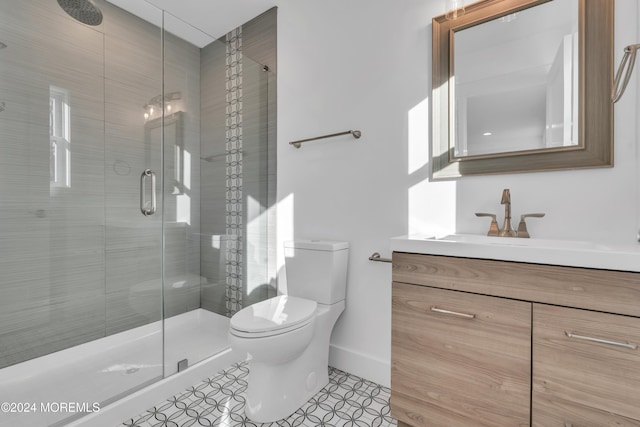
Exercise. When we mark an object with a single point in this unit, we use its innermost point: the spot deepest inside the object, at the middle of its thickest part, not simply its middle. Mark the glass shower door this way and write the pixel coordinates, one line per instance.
(191, 333)
(133, 191)
(80, 265)
(216, 193)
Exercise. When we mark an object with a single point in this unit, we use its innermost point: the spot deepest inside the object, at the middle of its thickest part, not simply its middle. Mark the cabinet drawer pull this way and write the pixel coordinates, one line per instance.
(452, 313)
(601, 341)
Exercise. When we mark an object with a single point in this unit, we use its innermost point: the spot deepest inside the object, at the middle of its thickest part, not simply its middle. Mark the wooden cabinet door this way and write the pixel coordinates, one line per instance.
(585, 362)
(459, 359)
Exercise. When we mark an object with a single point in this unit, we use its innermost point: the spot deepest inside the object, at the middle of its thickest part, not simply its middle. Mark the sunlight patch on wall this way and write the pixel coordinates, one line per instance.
(285, 217)
(432, 208)
(431, 205)
(419, 136)
(256, 259)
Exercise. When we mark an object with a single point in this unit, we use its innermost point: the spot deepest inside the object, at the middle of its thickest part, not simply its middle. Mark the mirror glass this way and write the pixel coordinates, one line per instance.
(522, 86)
(516, 82)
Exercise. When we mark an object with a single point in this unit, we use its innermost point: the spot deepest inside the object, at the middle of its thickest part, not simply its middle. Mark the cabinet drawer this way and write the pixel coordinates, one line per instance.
(600, 290)
(551, 412)
(459, 359)
(588, 358)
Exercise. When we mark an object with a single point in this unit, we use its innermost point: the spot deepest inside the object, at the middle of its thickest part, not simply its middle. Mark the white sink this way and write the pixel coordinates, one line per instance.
(514, 241)
(540, 251)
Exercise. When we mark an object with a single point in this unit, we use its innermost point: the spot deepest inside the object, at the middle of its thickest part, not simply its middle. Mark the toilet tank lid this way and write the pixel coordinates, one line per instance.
(317, 245)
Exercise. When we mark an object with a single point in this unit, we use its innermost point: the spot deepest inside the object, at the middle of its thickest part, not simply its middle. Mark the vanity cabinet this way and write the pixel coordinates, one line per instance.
(493, 343)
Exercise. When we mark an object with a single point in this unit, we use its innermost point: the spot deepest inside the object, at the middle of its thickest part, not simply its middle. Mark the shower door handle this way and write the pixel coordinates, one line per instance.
(143, 200)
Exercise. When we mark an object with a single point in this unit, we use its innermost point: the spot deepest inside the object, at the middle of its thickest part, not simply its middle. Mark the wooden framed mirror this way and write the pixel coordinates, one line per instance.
(527, 90)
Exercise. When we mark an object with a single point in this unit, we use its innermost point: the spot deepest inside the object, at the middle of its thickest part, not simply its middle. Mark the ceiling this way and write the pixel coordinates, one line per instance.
(206, 19)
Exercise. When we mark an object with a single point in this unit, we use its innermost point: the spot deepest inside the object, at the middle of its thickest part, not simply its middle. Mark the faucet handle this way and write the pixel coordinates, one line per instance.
(522, 227)
(494, 230)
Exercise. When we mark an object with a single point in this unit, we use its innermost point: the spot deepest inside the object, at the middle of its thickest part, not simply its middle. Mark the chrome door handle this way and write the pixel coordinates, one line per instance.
(143, 201)
(452, 313)
(601, 341)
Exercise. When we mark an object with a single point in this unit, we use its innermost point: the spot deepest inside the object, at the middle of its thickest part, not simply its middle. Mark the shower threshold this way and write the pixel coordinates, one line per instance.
(58, 387)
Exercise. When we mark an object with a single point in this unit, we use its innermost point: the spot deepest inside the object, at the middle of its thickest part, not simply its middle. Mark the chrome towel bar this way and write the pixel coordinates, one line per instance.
(356, 134)
(377, 257)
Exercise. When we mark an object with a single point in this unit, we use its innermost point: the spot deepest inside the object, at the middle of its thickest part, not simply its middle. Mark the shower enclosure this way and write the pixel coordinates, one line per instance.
(136, 173)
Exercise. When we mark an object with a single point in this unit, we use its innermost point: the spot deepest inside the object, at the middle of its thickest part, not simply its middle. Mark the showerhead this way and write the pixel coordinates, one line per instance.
(82, 10)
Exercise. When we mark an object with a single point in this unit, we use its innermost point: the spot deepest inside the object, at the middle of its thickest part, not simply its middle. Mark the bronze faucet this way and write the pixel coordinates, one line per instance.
(507, 229)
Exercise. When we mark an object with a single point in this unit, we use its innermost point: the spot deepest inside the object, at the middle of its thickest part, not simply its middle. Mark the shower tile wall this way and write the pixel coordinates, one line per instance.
(43, 265)
(81, 262)
(258, 165)
(213, 174)
(234, 160)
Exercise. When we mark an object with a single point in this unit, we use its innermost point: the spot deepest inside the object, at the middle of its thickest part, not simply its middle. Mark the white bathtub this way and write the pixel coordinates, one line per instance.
(95, 384)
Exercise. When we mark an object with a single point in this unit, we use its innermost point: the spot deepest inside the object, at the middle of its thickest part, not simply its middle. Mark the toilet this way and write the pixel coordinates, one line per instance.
(287, 337)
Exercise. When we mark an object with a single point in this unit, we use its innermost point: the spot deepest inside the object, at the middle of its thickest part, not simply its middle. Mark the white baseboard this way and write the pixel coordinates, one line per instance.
(360, 364)
(141, 400)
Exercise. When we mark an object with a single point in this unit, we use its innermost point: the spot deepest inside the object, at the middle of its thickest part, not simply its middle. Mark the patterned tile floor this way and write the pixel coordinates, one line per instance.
(347, 401)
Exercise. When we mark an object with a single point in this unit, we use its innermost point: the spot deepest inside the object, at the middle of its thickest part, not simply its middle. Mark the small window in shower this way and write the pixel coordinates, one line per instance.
(59, 137)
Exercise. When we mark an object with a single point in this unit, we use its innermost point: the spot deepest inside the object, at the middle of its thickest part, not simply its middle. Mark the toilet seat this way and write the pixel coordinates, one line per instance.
(274, 316)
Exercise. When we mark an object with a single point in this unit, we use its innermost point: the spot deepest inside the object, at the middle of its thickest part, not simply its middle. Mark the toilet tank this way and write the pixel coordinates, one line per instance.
(317, 269)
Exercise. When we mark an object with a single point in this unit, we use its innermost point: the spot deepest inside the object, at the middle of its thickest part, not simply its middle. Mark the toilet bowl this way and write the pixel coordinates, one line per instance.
(253, 331)
(286, 338)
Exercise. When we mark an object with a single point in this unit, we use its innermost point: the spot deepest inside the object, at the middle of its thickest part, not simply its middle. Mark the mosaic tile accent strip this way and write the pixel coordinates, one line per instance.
(233, 197)
(347, 401)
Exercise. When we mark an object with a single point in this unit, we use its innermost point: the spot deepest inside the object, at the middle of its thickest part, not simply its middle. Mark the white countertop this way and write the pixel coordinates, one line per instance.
(539, 251)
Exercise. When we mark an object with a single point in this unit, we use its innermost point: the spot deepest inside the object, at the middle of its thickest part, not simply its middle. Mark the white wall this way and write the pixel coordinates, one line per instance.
(366, 65)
